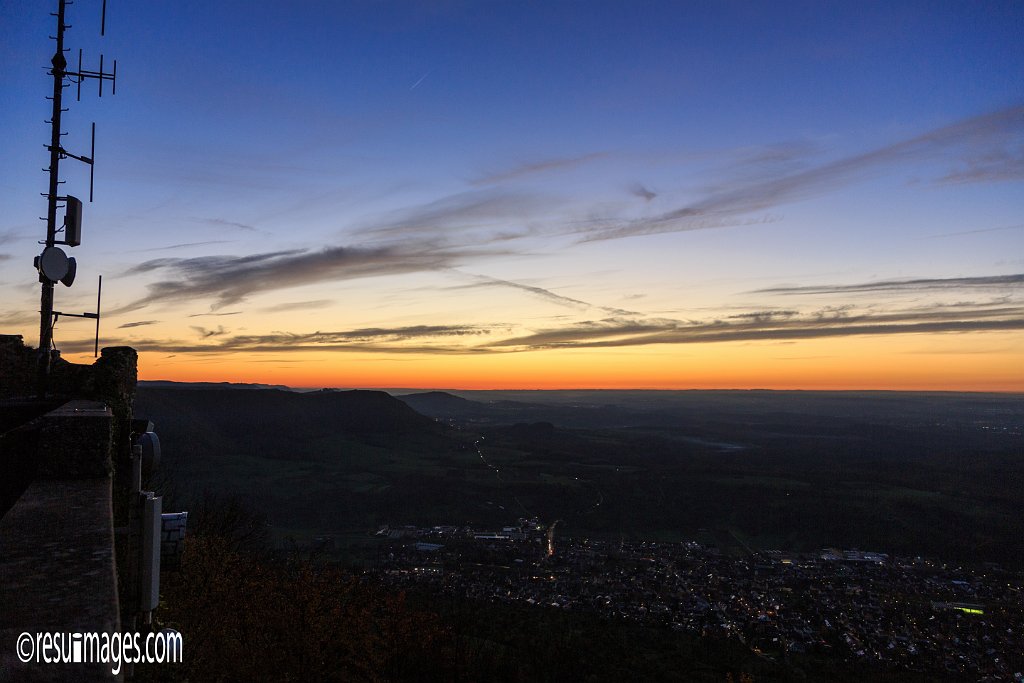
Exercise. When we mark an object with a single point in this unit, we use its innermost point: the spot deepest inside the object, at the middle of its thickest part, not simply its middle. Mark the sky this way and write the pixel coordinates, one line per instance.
(534, 195)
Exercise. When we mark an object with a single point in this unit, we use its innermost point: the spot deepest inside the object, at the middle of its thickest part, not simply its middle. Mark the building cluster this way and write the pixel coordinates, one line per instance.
(913, 614)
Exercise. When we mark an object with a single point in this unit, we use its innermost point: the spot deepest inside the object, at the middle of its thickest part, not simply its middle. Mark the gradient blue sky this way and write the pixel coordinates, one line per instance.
(454, 191)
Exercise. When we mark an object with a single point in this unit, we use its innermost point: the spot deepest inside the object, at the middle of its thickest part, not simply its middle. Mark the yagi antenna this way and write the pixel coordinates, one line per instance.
(99, 294)
(53, 264)
(94, 316)
(92, 159)
(100, 76)
(64, 154)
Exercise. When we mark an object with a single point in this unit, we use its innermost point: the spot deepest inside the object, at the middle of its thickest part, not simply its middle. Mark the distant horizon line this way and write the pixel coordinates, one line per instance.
(591, 389)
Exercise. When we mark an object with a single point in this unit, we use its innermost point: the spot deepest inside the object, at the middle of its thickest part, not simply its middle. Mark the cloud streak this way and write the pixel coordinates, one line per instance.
(393, 340)
(488, 215)
(538, 167)
(206, 334)
(231, 279)
(545, 294)
(184, 245)
(19, 318)
(978, 137)
(457, 229)
(616, 332)
(994, 166)
(1019, 226)
(8, 236)
(298, 306)
(981, 282)
(221, 222)
(619, 331)
(496, 215)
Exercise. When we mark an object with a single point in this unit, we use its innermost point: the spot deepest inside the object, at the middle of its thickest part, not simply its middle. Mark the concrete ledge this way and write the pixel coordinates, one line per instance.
(57, 573)
(75, 441)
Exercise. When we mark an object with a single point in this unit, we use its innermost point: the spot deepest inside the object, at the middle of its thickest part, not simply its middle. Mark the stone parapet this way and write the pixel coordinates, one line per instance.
(75, 441)
(57, 573)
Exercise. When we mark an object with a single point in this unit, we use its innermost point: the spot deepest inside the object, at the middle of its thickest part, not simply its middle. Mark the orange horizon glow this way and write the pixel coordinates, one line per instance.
(896, 363)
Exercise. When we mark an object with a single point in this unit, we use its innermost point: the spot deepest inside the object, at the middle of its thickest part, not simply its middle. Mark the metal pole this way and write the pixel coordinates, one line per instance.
(99, 294)
(46, 309)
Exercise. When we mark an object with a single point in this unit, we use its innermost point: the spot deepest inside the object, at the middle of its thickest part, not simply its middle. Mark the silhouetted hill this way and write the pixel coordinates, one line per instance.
(274, 423)
(311, 462)
(170, 384)
(915, 474)
(442, 404)
(356, 411)
(446, 406)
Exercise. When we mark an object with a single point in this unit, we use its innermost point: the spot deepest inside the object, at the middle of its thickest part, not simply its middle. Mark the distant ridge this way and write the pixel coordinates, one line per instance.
(432, 402)
(268, 420)
(169, 384)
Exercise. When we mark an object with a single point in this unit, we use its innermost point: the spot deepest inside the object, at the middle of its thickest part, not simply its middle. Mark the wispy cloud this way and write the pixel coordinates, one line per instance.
(419, 81)
(474, 217)
(460, 228)
(538, 167)
(777, 156)
(139, 323)
(221, 222)
(8, 236)
(764, 316)
(781, 326)
(1019, 226)
(761, 180)
(982, 282)
(183, 245)
(973, 138)
(391, 334)
(298, 306)
(206, 334)
(616, 332)
(640, 191)
(545, 294)
(231, 279)
(393, 340)
(680, 220)
(18, 318)
(992, 166)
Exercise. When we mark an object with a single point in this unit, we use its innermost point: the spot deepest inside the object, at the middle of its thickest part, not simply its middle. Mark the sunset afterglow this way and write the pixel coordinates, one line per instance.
(554, 195)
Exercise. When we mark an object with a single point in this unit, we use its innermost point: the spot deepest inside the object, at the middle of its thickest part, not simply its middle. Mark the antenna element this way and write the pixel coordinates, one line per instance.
(53, 264)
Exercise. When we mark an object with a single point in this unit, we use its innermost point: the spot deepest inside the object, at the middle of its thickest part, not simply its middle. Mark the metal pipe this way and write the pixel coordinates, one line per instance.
(46, 298)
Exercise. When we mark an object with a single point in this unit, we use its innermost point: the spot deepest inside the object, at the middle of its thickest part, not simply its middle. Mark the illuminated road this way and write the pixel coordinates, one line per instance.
(497, 473)
(599, 495)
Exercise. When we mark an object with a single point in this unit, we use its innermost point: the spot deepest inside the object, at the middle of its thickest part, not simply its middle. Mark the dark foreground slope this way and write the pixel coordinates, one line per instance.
(791, 474)
(934, 473)
(906, 473)
(312, 463)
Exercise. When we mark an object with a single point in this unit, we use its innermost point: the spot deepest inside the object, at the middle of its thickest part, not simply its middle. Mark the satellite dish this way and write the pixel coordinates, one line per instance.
(72, 269)
(53, 264)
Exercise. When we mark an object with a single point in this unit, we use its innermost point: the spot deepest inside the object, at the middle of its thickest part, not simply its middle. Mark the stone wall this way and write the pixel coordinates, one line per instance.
(65, 458)
(110, 379)
(17, 367)
(57, 571)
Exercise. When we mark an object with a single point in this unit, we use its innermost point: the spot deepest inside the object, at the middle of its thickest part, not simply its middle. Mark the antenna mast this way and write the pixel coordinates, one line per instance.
(53, 264)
